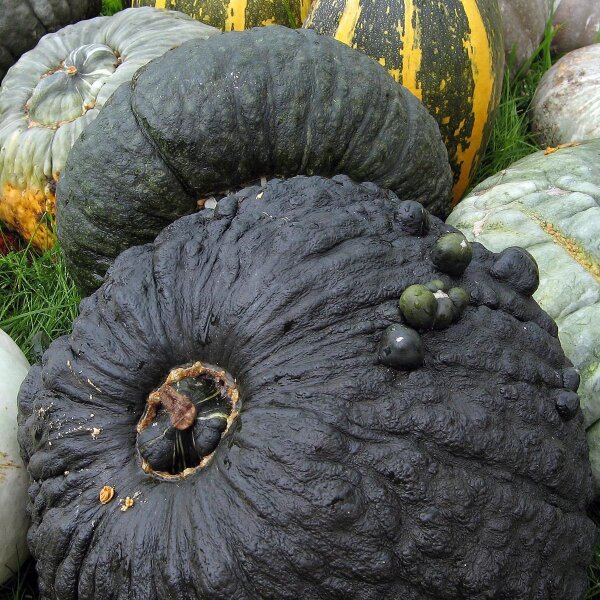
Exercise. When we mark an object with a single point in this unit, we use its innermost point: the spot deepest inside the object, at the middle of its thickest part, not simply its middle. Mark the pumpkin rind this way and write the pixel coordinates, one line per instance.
(24, 22)
(524, 23)
(57, 89)
(235, 108)
(577, 23)
(342, 477)
(566, 105)
(236, 15)
(449, 54)
(13, 476)
(550, 205)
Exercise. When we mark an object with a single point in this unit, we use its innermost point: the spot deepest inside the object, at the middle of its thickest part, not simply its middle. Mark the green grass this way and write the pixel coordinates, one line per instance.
(110, 7)
(511, 137)
(38, 301)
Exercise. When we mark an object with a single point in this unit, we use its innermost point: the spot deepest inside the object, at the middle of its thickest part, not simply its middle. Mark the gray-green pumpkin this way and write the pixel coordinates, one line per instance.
(55, 90)
(24, 22)
(549, 203)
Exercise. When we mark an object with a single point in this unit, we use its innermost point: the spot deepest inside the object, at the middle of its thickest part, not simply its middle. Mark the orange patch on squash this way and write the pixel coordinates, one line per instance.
(29, 211)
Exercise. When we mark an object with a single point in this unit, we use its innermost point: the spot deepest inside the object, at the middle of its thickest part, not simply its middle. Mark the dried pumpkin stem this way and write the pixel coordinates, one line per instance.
(181, 409)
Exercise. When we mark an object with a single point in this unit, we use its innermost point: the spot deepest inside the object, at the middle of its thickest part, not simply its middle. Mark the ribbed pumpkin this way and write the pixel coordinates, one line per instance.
(235, 15)
(549, 203)
(57, 89)
(449, 54)
(24, 22)
(240, 414)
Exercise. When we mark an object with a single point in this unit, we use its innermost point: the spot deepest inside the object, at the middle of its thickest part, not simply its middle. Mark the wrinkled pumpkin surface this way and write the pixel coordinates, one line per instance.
(549, 203)
(219, 423)
(217, 114)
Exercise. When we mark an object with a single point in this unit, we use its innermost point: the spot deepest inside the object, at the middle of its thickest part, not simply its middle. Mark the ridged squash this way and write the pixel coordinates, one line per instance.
(24, 22)
(449, 54)
(235, 15)
(57, 89)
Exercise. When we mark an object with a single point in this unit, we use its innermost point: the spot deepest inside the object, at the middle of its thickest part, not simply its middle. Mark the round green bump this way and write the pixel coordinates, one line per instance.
(445, 314)
(452, 253)
(401, 347)
(435, 285)
(418, 306)
(460, 298)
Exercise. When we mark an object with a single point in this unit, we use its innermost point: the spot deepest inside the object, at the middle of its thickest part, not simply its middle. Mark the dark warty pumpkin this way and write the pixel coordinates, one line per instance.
(215, 114)
(260, 405)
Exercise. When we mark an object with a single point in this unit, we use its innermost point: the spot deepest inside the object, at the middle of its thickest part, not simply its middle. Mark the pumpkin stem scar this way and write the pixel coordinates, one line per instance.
(179, 406)
(185, 419)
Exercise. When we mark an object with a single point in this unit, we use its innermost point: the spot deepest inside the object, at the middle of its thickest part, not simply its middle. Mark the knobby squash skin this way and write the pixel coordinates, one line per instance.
(236, 15)
(57, 89)
(24, 22)
(339, 477)
(235, 108)
(549, 203)
(449, 53)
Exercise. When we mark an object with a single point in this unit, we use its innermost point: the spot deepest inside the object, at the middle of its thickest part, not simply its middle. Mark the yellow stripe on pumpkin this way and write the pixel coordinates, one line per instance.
(411, 52)
(345, 31)
(479, 49)
(160, 3)
(236, 15)
(304, 8)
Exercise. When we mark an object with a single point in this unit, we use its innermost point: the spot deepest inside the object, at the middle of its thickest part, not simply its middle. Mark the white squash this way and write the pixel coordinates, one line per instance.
(566, 105)
(13, 476)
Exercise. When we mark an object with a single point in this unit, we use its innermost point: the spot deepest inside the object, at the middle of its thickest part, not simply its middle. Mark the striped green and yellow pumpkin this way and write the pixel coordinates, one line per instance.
(235, 15)
(449, 53)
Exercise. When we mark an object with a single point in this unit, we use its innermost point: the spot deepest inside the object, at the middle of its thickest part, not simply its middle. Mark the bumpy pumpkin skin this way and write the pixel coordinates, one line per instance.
(577, 23)
(449, 54)
(340, 477)
(236, 15)
(13, 476)
(216, 114)
(550, 205)
(524, 23)
(24, 22)
(566, 105)
(57, 89)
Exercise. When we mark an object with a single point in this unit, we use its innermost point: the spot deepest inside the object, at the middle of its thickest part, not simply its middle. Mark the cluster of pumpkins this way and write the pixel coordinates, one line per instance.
(297, 192)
